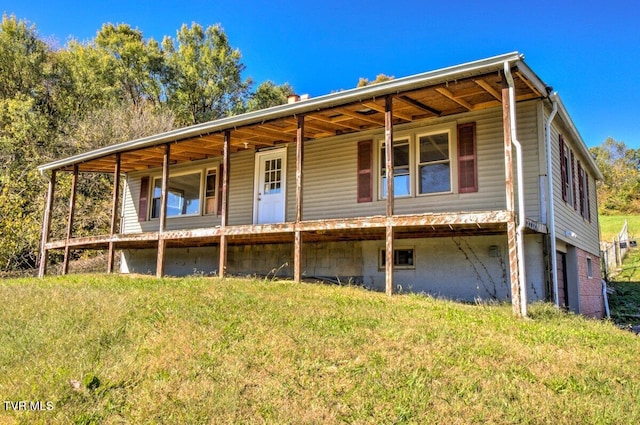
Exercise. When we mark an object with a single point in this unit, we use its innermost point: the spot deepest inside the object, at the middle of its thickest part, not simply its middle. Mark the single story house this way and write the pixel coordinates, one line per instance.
(468, 182)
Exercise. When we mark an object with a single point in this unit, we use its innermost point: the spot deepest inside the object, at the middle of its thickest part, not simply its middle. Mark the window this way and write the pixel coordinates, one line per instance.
(183, 195)
(425, 163)
(589, 268)
(401, 169)
(434, 168)
(583, 187)
(211, 188)
(566, 168)
(402, 258)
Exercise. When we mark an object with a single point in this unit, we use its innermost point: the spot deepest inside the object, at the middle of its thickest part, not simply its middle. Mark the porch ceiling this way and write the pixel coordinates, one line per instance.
(442, 99)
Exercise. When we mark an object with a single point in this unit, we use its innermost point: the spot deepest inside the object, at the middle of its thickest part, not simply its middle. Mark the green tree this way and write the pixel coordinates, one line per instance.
(204, 79)
(138, 66)
(25, 136)
(619, 192)
(269, 94)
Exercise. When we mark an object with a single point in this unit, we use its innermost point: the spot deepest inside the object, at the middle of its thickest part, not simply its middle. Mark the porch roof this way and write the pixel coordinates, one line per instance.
(447, 91)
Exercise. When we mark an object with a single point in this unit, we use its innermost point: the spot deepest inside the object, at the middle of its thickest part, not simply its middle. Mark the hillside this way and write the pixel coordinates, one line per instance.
(201, 350)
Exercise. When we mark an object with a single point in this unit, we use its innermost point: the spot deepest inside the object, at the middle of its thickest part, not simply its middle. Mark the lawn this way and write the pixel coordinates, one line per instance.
(100, 349)
(610, 225)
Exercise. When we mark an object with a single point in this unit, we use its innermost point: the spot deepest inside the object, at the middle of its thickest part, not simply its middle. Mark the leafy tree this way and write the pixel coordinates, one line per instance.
(269, 94)
(137, 65)
(619, 192)
(204, 75)
(25, 134)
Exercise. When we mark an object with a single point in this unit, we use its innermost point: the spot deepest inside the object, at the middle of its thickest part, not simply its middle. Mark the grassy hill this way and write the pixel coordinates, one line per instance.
(610, 225)
(119, 349)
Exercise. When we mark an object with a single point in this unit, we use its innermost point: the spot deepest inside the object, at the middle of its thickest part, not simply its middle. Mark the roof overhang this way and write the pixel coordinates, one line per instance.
(447, 91)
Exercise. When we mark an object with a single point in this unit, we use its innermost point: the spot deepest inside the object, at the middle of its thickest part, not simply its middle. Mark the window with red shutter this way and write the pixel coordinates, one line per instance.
(467, 158)
(365, 171)
(564, 177)
(143, 202)
(581, 188)
(573, 177)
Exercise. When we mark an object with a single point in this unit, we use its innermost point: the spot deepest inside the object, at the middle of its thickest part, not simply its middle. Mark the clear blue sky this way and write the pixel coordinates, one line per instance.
(588, 51)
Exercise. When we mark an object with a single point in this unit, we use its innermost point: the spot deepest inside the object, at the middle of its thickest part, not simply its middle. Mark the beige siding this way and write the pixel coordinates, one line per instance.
(567, 218)
(330, 176)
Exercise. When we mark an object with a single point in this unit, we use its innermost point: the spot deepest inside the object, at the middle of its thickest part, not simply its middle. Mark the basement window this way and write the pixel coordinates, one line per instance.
(589, 268)
(403, 258)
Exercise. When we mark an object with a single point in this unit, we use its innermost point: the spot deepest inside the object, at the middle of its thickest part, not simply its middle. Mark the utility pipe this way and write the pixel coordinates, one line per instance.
(551, 221)
(519, 173)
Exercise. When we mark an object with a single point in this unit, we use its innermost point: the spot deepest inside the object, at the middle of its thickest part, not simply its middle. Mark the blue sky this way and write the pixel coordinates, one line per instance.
(588, 51)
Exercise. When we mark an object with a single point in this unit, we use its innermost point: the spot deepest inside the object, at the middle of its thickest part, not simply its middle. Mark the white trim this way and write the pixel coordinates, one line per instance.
(452, 134)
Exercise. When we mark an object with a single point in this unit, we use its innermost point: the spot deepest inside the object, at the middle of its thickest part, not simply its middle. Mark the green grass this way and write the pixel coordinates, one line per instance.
(625, 300)
(610, 225)
(203, 350)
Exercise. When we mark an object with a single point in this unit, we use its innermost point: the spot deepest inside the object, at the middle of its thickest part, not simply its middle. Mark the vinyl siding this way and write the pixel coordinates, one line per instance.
(330, 176)
(568, 219)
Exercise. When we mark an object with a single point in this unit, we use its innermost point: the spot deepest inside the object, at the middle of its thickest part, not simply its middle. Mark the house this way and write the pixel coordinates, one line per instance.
(469, 182)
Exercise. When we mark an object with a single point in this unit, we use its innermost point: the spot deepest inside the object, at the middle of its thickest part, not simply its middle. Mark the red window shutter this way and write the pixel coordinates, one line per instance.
(573, 181)
(588, 206)
(563, 168)
(581, 188)
(143, 203)
(365, 171)
(220, 175)
(467, 158)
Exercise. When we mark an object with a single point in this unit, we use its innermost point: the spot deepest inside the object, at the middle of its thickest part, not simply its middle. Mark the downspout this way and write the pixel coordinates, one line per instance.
(519, 173)
(551, 221)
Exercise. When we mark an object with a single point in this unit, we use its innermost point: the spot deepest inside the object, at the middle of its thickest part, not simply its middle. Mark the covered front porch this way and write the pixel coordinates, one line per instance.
(491, 83)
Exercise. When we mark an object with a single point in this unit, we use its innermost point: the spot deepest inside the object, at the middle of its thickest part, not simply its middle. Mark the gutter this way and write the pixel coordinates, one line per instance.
(519, 172)
(550, 206)
(305, 106)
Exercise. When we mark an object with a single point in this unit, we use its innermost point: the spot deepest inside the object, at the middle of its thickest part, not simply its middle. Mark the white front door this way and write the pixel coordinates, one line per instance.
(270, 187)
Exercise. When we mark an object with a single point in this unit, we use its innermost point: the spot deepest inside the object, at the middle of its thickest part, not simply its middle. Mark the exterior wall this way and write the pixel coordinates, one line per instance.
(335, 260)
(591, 297)
(567, 219)
(330, 176)
(463, 268)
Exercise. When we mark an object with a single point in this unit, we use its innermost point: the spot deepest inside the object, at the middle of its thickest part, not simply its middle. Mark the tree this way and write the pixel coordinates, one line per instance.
(25, 135)
(269, 94)
(138, 65)
(619, 192)
(380, 78)
(204, 75)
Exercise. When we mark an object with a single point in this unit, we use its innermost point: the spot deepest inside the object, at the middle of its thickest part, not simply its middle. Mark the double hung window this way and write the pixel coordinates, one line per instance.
(401, 168)
(434, 168)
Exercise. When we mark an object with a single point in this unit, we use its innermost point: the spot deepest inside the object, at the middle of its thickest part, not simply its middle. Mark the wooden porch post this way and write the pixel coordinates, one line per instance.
(297, 255)
(114, 213)
(46, 226)
(224, 214)
(72, 207)
(162, 243)
(388, 141)
(510, 199)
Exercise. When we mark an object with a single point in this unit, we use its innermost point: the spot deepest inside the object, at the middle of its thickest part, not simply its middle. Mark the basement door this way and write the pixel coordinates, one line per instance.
(270, 185)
